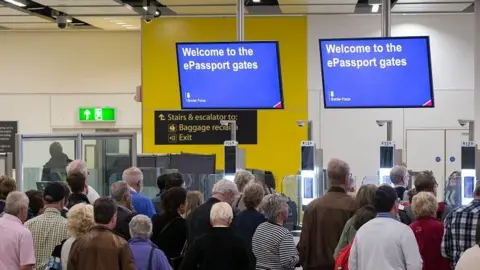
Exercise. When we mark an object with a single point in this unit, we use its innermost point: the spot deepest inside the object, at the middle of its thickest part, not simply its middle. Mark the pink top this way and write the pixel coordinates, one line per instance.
(16, 244)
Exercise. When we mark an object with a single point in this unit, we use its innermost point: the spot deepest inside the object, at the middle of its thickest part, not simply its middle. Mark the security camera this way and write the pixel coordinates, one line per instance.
(62, 21)
(300, 123)
(148, 18)
(381, 123)
(463, 122)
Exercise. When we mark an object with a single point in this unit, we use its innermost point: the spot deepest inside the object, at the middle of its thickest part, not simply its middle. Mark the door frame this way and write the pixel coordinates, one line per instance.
(445, 130)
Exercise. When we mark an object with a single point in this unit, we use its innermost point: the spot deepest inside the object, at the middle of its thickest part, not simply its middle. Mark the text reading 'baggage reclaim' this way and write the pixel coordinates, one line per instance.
(229, 75)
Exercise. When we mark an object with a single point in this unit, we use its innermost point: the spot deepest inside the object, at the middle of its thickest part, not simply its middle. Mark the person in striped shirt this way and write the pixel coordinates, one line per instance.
(272, 244)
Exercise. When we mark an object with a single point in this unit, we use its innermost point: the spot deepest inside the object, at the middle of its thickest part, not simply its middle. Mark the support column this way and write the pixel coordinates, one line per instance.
(240, 20)
(386, 22)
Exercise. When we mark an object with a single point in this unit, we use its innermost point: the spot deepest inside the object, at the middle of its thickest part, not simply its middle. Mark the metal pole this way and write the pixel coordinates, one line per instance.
(240, 19)
(471, 131)
(233, 124)
(389, 131)
(386, 22)
(309, 131)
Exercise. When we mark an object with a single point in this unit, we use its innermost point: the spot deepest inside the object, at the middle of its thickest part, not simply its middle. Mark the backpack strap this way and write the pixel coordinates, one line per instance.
(239, 200)
(150, 259)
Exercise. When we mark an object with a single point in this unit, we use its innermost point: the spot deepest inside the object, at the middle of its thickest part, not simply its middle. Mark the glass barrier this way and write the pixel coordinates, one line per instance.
(290, 189)
(44, 160)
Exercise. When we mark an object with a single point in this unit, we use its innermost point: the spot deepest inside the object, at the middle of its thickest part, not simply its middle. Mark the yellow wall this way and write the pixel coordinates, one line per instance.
(278, 147)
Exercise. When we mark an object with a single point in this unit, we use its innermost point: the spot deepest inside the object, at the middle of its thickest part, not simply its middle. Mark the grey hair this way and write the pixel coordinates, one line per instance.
(242, 178)
(273, 205)
(77, 166)
(397, 174)
(132, 175)
(338, 171)
(140, 226)
(118, 190)
(225, 186)
(15, 201)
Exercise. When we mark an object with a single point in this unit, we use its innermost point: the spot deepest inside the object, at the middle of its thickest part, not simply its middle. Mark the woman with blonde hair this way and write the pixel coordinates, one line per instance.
(194, 200)
(79, 221)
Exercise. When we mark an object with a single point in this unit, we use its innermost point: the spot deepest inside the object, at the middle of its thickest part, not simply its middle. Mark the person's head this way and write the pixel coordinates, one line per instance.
(54, 195)
(56, 150)
(16, 204)
(7, 185)
(225, 191)
(411, 193)
(140, 227)
(77, 166)
(363, 215)
(365, 195)
(338, 173)
(105, 212)
(424, 204)
(221, 215)
(77, 182)
(120, 193)
(399, 176)
(242, 178)
(194, 200)
(134, 178)
(425, 181)
(80, 219)
(173, 179)
(174, 200)
(386, 200)
(275, 208)
(36, 203)
(476, 192)
(252, 195)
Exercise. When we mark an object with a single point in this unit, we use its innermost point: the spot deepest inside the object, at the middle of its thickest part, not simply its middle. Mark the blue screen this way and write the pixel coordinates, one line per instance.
(234, 75)
(376, 73)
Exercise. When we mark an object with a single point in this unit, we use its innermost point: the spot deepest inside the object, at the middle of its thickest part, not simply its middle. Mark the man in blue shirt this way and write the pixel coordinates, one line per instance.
(141, 203)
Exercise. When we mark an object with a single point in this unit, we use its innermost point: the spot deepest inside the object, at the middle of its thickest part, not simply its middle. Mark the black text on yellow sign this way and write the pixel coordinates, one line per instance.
(204, 127)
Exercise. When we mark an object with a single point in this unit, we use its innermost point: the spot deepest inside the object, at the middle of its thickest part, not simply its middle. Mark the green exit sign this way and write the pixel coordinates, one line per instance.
(98, 114)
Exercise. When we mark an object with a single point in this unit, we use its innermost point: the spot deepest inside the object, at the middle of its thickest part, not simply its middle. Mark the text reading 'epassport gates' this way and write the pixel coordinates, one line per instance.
(243, 75)
(376, 72)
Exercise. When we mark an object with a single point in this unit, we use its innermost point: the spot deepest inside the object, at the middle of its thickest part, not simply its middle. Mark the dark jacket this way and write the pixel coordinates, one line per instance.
(100, 248)
(56, 168)
(400, 192)
(246, 222)
(218, 249)
(323, 222)
(169, 239)
(76, 198)
(198, 221)
(124, 216)
(429, 233)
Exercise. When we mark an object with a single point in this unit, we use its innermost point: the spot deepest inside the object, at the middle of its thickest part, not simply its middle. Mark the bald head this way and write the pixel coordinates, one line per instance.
(338, 172)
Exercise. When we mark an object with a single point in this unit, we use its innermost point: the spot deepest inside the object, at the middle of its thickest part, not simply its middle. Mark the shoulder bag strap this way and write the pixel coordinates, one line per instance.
(239, 200)
(150, 259)
(168, 225)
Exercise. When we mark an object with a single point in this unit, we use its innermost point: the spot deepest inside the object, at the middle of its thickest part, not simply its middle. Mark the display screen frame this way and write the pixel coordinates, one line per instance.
(230, 151)
(308, 187)
(429, 58)
(469, 189)
(307, 163)
(387, 152)
(468, 155)
(279, 72)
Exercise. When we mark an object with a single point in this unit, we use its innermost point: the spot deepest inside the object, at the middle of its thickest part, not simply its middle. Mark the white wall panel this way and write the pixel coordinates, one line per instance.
(352, 134)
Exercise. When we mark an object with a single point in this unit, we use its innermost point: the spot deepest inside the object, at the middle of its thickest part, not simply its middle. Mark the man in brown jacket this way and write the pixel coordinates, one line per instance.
(100, 248)
(324, 219)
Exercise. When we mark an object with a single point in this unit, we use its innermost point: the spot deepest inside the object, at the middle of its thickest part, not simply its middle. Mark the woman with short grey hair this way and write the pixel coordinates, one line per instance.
(145, 253)
(273, 244)
(242, 178)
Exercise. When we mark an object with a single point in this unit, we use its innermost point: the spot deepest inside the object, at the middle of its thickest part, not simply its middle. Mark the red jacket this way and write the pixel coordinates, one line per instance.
(429, 232)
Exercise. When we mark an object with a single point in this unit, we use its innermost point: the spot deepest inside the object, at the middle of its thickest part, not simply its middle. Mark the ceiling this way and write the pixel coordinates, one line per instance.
(125, 15)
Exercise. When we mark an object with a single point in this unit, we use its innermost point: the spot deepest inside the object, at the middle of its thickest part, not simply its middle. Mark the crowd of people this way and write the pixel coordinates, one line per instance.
(241, 226)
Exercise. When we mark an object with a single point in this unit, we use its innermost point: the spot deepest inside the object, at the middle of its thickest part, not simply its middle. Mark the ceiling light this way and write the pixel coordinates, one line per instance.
(127, 25)
(69, 20)
(145, 7)
(132, 28)
(16, 3)
(256, 1)
(375, 8)
(120, 23)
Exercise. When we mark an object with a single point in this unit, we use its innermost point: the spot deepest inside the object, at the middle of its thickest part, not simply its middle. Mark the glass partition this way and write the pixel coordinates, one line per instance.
(6, 164)
(290, 188)
(43, 158)
(106, 163)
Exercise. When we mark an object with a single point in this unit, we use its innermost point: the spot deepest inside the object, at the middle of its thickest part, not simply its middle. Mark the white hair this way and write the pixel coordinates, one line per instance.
(221, 211)
(132, 176)
(225, 186)
(77, 166)
(140, 226)
(273, 206)
(397, 174)
(242, 178)
(15, 202)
